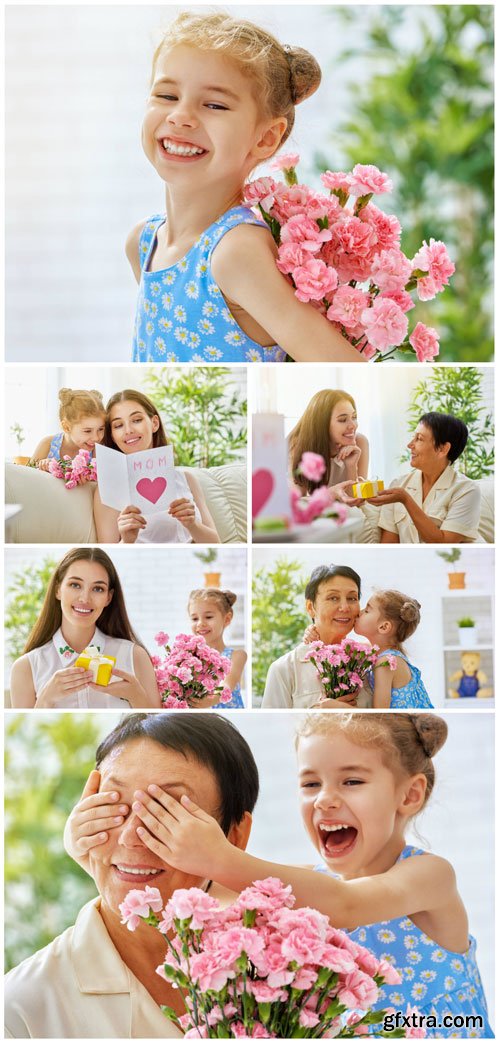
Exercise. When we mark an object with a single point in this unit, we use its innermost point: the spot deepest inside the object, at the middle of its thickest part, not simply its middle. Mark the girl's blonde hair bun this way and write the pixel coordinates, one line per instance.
(305, 73)
(410, 610)
(432, 732)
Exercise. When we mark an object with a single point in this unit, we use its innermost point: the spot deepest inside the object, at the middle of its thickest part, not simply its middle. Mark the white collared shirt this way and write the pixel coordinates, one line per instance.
(292, 681)
(453, 503)
(57, 654)
(79, 986)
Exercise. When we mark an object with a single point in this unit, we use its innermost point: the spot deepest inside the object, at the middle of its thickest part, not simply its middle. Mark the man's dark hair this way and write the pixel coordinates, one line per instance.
(211, 739)
(446, 428)
(322, 573)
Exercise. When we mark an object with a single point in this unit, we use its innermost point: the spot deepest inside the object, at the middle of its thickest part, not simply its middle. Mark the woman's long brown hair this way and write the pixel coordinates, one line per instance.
(130, 395)
(113, 620)
(312, 433)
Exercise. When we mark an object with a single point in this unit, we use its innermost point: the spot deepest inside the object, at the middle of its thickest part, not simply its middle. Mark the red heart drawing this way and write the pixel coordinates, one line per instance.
(151, 489)
(262, 487)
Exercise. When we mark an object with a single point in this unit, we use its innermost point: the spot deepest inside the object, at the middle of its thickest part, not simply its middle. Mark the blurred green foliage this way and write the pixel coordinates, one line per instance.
(204, 412)
(47, 760)
(277, 621)
(458, 390)
(424, 114)
(24, 602)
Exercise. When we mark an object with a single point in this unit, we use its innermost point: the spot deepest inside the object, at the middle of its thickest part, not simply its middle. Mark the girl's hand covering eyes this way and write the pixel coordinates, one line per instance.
(179, 832)
(93, 816)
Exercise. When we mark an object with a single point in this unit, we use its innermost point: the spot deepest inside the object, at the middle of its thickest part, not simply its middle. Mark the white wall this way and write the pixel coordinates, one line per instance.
(417, 572)
(382, 395)
(156, 585)
(457, 824)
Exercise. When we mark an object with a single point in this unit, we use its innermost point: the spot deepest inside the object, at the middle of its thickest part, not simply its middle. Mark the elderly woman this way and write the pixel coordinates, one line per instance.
(433, 503)
(332, 601)
(96, 979)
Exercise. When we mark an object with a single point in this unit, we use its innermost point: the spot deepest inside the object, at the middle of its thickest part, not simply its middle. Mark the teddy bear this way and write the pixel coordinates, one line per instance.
(470, 681)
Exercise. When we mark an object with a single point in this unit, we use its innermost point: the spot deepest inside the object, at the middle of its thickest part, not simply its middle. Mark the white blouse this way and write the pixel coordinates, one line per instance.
(56, 655)
(162, 528)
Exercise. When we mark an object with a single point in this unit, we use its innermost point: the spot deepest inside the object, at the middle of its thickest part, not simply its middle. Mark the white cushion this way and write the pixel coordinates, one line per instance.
(52, 514)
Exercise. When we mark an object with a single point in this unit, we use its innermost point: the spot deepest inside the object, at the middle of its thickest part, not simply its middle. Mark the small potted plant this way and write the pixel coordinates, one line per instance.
(18, 432)
(467, 632)
(456, 581)
(208, 557)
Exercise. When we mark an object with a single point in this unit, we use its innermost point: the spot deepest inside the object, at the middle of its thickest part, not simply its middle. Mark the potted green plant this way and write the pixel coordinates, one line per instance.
(18, 432)
(456, 580)
(208, 557)
(205, 413)
(467, 632)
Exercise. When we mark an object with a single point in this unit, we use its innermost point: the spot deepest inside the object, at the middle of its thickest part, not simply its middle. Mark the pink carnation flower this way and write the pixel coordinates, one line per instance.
(401, 297)
(286, 161)
(137, 904)
(425, 341)
(193, 903)
(308, 1018)
(385, 324)
(433, 258)
(347, 305)
(314, 280)
(386, 226)
(161, 638)
(261, 191)
(290, 200)
(312, 466)
(366, 179)
(391, 270)
(336, 179)
(303, 230)
(290, 256)
(358, 990)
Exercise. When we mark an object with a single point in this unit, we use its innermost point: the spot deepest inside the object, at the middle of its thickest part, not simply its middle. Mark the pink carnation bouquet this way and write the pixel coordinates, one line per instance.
(260, 968)
(75, 471)
(312, 466)
(342, 667)
(342, 254)
(189, 671)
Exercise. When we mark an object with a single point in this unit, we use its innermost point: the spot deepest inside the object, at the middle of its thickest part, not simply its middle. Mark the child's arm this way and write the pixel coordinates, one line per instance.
(186, 837)
(132, 248)
(244, 266)
(41, 453)
(88, 823)
(238, 661)
(383, 678)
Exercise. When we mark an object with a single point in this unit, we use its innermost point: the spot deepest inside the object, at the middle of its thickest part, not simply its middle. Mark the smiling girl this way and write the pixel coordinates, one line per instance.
(81, 414)
(211, 611)
(387, 620)
(222, 100)
(134, 424)
(83, 606)
(329, 427)
(362, 779)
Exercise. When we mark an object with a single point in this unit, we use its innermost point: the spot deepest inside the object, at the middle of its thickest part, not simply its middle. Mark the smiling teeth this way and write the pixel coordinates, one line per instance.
(84, 611)
(181, 150)
(332, 826)
(135, 870)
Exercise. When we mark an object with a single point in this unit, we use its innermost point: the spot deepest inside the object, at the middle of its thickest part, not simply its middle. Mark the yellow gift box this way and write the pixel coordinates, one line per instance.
(370, 488)
(101, 666)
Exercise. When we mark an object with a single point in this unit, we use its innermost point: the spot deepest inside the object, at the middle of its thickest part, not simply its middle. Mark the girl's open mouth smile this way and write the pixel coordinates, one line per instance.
(336, 839)
(180, 150)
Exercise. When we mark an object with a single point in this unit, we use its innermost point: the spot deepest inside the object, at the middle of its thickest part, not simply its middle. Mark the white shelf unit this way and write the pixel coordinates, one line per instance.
(478, 604)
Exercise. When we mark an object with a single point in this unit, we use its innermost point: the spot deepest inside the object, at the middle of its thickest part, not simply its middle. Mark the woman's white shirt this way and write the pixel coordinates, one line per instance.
(162, 528)
(453, 503)
(56, 655)
(79, 987)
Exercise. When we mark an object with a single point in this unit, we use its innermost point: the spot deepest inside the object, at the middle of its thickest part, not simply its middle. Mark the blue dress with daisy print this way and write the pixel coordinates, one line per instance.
(435, 981)
(413, 694)
(181, 313)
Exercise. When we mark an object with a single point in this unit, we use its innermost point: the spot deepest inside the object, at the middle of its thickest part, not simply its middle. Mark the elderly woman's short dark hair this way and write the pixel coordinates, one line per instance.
(209, 738)
(446, 428)
(327, 572)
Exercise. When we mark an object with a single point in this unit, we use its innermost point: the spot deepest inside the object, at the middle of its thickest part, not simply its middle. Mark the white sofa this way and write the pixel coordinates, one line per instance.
(52, 514)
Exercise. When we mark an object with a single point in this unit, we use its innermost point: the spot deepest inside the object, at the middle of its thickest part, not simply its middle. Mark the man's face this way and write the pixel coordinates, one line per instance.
(124, 862)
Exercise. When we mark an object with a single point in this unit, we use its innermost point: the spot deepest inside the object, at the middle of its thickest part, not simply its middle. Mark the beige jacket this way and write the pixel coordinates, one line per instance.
(78, 986)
